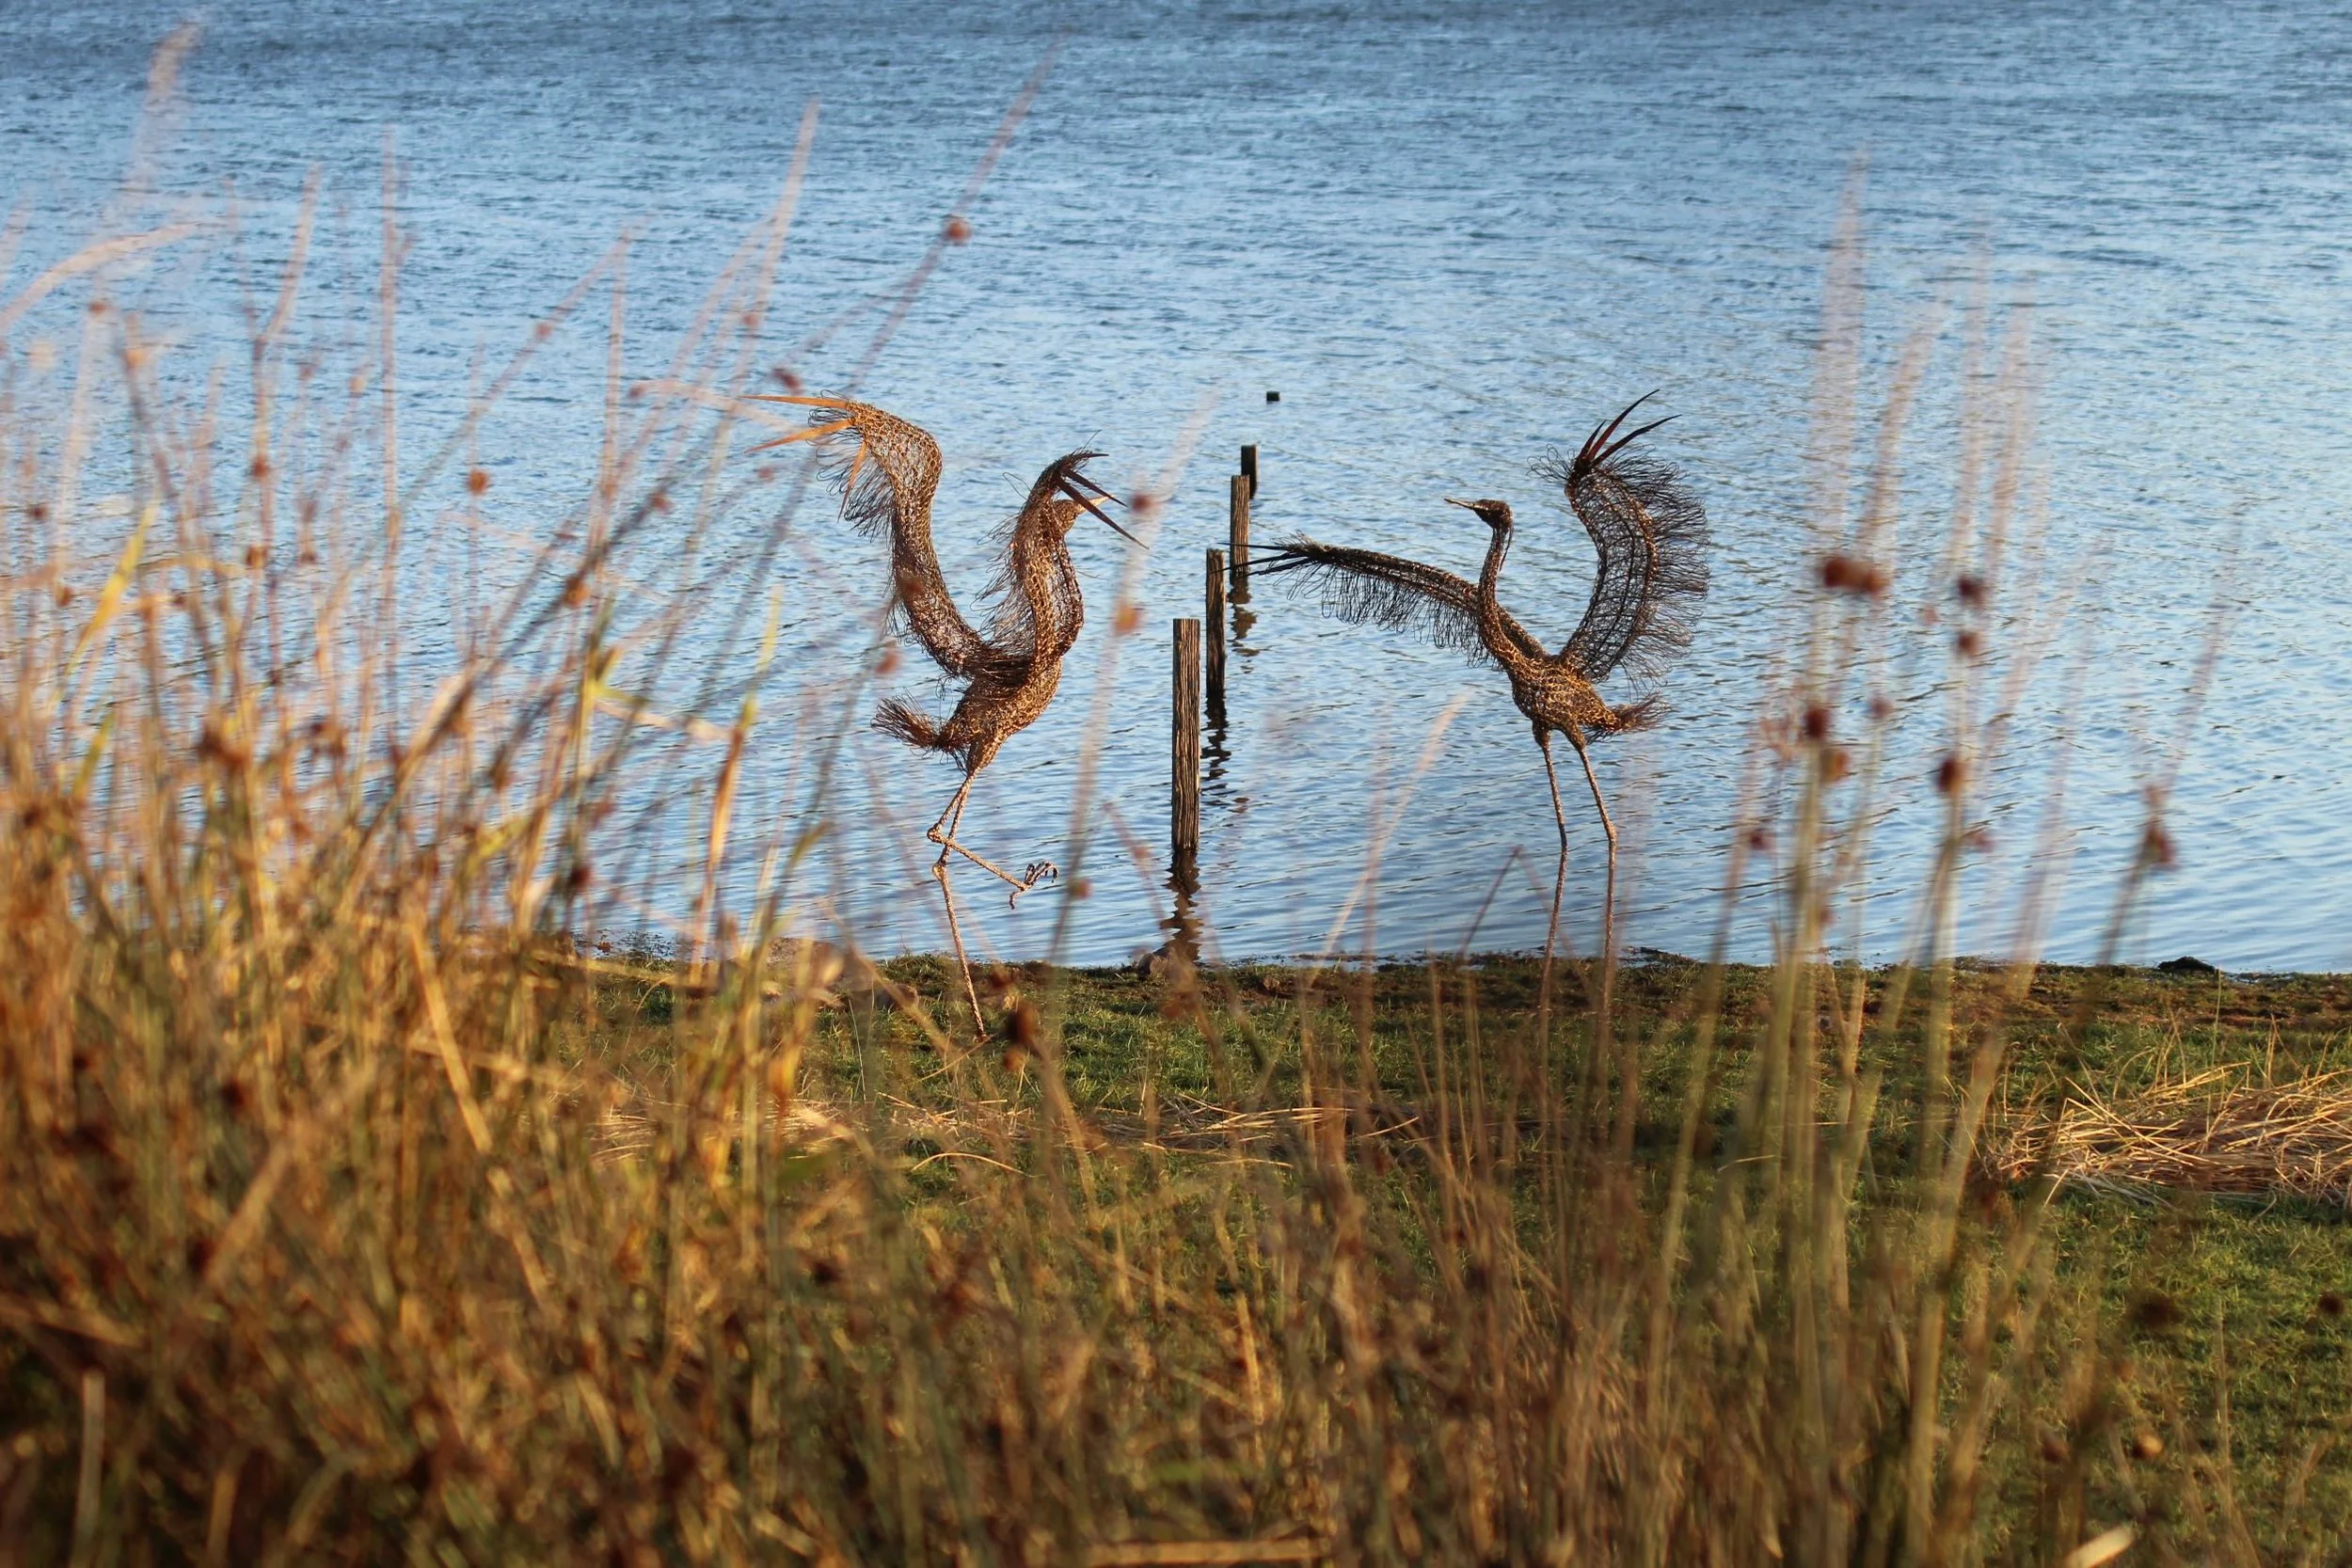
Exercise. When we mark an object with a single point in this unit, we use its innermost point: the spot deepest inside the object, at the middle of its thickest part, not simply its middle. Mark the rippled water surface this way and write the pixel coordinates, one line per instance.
(1451, 237)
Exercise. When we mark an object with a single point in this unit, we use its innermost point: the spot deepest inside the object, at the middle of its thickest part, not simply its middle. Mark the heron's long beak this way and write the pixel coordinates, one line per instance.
(1069, 489)
(1454, 500)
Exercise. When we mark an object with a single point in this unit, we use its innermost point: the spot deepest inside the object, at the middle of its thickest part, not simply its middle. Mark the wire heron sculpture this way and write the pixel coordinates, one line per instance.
(888, 473)
(1651, 535)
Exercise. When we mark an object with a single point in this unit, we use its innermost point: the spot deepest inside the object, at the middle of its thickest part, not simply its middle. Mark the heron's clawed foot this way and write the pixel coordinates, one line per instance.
(1032, 874)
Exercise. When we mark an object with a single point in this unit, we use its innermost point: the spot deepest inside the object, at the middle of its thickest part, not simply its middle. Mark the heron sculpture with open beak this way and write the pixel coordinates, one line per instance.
(889, 472)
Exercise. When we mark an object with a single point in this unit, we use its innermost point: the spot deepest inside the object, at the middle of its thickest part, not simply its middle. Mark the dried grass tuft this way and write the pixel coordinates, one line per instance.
(2216, 1132)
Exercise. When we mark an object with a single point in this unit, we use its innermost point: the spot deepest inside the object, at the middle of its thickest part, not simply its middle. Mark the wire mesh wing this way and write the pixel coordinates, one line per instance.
(889, 472)
(1371, 589)
(1651, 535)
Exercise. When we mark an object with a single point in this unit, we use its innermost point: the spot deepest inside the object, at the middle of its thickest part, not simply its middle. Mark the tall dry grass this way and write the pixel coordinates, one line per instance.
(341, 1219)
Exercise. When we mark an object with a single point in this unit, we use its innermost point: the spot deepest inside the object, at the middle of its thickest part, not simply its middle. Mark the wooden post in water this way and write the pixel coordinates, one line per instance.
(1249, 469)
(1213, 621)
(1184, 800)
(1238, 526)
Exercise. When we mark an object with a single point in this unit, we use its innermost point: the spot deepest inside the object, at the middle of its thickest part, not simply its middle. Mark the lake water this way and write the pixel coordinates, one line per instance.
(1451, 237)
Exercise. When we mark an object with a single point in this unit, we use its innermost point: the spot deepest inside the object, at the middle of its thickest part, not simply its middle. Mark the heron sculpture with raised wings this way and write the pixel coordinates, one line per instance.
(889, 471)
(1651, 535)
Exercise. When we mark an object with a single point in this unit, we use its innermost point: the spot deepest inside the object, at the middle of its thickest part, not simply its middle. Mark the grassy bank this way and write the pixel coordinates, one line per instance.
(2219, 1296)
(597, 1254)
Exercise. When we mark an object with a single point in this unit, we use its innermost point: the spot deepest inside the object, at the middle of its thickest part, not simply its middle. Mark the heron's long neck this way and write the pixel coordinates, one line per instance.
(1049, 580)
(931, 610)
(1492, 628)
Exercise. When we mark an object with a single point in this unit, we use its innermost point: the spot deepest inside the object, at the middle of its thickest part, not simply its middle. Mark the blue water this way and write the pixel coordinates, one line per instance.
(1451, 237)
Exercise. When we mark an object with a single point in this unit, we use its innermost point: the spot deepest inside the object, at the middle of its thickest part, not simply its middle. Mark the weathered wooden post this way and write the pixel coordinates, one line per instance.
(1212, 620)
(1249, 469)
(1237, 513)
(1185, 753)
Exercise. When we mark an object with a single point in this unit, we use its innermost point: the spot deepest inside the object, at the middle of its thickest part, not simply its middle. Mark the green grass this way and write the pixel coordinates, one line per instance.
(2219, 1321)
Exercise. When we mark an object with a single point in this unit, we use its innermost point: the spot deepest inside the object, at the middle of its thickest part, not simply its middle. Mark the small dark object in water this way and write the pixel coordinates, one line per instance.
(2186, 965)
(1274, 397)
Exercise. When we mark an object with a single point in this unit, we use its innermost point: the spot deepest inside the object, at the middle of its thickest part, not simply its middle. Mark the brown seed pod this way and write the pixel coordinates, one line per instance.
(1844, 574)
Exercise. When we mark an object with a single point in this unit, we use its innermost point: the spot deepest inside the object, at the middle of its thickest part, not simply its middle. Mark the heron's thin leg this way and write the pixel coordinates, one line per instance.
(1039, 872)
(1559, 883)
(943, 834)
(1628, 1066)
(1609, 905)
(1559, 812)
(955, 934)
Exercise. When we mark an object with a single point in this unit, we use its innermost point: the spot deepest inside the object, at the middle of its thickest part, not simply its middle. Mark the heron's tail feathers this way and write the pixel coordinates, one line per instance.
(916, 728)
(1640, 714)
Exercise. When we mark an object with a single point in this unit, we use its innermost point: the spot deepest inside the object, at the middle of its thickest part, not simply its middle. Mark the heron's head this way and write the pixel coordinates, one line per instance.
(1495, 514)
(1074, 495)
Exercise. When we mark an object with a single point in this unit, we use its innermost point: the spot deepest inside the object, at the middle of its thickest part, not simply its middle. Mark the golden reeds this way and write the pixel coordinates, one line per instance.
(352, 1207)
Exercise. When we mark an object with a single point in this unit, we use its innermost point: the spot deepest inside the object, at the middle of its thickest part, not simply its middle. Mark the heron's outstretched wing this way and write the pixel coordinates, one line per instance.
(1371, 589)
(1650, 533)
(888, 471)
